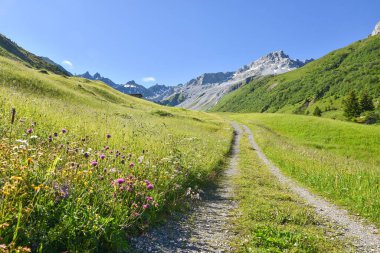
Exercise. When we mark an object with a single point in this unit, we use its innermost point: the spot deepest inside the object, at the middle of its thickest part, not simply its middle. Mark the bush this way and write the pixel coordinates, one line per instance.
(369, 117)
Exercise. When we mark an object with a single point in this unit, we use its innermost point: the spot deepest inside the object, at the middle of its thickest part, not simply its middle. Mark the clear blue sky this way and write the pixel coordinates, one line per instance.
(176, 40)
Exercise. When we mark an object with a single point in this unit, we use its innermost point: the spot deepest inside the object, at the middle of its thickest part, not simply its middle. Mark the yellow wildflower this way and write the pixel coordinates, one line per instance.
(16, 178)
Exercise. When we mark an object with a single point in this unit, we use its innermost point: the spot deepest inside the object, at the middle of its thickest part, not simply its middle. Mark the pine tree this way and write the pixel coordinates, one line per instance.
(366, 103)
(351, 106)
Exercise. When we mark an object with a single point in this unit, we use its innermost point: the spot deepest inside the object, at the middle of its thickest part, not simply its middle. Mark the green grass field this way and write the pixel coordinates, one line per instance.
(338, 160)
(83, 166)
(271, 218)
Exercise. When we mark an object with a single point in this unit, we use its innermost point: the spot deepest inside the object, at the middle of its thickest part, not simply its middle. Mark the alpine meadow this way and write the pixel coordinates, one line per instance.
(279, 155)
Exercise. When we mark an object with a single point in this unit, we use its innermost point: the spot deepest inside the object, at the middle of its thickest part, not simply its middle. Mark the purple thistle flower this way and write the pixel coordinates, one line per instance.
(29, 131)
(146, 206)
(120, 180)
(55, 134)
(86, 155)
(50, 138)
(131, 165)
(94, 163)
(102, 156)
(108, 136)
(150, 187)
(149, 198)
(64, 130)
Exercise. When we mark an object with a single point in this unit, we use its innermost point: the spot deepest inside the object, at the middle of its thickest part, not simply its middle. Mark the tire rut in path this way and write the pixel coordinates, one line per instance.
(206, 227)
(364, 237)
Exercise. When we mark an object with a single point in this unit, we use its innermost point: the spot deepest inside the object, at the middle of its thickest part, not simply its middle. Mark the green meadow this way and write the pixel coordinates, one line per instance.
(338, 160)
(84, 166)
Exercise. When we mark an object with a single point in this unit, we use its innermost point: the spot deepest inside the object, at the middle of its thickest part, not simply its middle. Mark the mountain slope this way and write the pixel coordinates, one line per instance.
(205, 91)
(11, 50)
(323, 82)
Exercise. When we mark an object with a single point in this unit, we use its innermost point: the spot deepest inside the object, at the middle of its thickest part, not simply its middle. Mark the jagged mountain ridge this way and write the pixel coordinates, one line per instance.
(205, 91)
(153, 93)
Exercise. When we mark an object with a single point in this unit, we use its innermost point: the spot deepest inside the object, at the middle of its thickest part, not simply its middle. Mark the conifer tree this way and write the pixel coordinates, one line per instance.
(351, 106)
(317, 112)
(366, 103)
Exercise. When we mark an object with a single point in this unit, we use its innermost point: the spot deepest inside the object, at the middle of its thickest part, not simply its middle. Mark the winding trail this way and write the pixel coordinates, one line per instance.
(364, 237)
(205, 228)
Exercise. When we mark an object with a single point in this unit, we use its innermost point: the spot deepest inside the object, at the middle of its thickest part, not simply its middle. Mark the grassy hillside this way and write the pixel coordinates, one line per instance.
(323, 82)
(11, 50)
(84, 166)
(173, 100)
(336, 159)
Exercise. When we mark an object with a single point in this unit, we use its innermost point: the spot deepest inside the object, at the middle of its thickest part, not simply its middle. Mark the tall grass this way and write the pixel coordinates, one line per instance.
(83, 167)
(338, 160)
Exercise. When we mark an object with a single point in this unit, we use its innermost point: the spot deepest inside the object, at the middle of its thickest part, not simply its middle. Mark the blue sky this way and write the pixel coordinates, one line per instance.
(172, 41)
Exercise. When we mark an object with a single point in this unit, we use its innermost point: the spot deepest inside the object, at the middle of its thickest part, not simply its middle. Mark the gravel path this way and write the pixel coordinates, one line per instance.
(205, 228)
(364, 237)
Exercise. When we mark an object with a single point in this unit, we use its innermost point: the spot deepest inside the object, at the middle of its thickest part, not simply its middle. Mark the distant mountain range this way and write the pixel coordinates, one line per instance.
(203, 92)
(153, 93)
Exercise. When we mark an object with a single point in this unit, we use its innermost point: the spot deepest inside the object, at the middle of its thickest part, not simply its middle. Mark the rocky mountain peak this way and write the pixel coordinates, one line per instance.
(277, 55)
(376, 31)
(97, 76)
(87, 75)
(132, 82)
